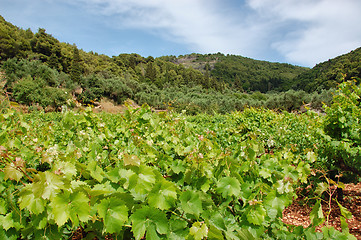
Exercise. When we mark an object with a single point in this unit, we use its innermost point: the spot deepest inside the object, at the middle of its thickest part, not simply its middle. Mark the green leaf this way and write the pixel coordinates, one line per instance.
(47, 185)
(73, 206)
(245, 234)
(218, 221)
(214, 233)
(114, 213)
(140, 185)
(149, 219)
(229, 186)
(66, 168)
(311, 157)
(191, 203)
(265, 173)
(95, 171)
(321, 187)
(344, 212)
(59, 208)
(3, 206)
(7, 222)
(178, 229)
(29, 201)
(256, 214)
(12, 173)
(316, 214)
(275, 204)
(199, 230)
(131, 160)
(283, 187)
(79, 207)
(163, 195)
(344, 225)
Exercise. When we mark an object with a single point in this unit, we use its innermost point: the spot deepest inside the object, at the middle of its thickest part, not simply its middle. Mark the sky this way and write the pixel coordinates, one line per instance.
(299, 32)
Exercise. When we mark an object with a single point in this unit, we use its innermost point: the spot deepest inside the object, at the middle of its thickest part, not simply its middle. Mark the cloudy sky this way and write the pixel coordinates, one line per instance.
(301, 32)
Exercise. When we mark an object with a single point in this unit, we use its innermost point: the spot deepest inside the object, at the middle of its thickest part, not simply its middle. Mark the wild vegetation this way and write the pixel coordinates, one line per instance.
(41, 71)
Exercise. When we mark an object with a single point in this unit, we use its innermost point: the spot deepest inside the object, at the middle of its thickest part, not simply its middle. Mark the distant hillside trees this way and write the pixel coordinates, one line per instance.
(58, 73)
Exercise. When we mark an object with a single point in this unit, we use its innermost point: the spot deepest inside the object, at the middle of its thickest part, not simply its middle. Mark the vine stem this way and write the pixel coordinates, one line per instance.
(181, 216)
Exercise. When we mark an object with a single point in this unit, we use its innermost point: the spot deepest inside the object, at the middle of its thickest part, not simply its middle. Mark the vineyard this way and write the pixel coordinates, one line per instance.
(145, 175)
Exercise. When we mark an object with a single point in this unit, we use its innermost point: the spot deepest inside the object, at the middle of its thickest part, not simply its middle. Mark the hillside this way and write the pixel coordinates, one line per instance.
(41, 71)
(329, 74)
(242, 73)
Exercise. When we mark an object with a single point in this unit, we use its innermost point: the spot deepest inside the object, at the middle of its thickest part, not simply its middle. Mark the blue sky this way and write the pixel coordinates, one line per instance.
(301, 32)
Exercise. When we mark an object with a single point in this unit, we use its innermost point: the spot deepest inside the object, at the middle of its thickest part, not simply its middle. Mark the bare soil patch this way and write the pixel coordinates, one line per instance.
(298, 213)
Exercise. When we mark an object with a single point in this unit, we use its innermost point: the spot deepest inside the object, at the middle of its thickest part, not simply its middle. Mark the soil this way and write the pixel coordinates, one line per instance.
(298, 213)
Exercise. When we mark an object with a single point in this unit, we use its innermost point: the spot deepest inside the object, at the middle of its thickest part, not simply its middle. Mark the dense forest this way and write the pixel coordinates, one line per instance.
(39, 71)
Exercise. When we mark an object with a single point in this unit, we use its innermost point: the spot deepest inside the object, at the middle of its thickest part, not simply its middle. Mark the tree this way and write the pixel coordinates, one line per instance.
(76, 69)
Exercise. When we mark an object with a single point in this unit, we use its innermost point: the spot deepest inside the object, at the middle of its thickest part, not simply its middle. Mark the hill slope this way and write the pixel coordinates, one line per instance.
(329, 74)
(242, 73)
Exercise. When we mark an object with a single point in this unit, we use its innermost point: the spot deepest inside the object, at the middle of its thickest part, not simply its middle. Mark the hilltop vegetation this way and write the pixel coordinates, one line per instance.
(329, 74)
(41, 71)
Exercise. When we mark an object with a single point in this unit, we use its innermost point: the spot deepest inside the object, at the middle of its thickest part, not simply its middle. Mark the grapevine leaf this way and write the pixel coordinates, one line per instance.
(147, 174)
(142, 183)
(316, 214)
(311, 157)
(29, 201)
(7, 222)
(5, 235)
(145, 219)
(256, 214)
(283, 187)
(73, 206)
(59, 208)
(344, 212)
(66, 168)
(114, 213)
(321, 187)
(47, 184)
(214, 233)
(245, 234)
(199, 230)
(163, 195)
(100, 189)
(3, 206)
(275, 204)
(229, 186)
(218, 221)
(344, 225)
(11, 172)
(178, 229)
(131, 160)
(95, 171)
(191, 203)
(79, 207)
(265, 173)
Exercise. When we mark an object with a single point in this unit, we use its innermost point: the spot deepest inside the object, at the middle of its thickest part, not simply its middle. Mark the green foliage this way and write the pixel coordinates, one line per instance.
(342, 126)
(329, 74)
(148, 175)
(252, 75)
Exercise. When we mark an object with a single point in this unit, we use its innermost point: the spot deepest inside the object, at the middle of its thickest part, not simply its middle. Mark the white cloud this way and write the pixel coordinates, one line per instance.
(304, 32)
(329, 27)
(200, 24)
